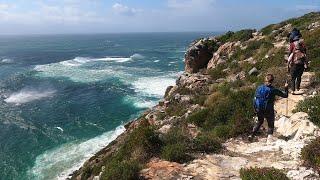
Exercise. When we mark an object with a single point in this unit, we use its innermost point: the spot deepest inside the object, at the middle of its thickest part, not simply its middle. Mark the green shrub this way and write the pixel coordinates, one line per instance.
(176, 145)
(212, 45)
(175, 152)
(276, 59)
(313, 50)
(124, 170)
(253, 49)
(176, 109)
(217, 72)
(311, 154)
(304, 21)
(141, 144)
(312, 107)
(242, 35)
(267, 30)
(233, 109)
(199, 117)
(208, 143)
(222, 131)
(226, 37)
(262, 174)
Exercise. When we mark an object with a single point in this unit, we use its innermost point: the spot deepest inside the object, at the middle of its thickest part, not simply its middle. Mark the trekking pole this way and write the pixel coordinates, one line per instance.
(287, 102)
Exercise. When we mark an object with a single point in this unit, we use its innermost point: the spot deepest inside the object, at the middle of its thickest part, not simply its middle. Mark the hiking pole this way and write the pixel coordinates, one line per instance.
(287, 101)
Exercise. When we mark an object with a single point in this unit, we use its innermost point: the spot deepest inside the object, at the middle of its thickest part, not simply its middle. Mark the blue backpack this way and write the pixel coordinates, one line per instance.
(262, 96)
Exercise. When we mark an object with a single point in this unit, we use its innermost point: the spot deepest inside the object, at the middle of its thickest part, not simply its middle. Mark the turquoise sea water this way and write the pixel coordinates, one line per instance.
(64, 97)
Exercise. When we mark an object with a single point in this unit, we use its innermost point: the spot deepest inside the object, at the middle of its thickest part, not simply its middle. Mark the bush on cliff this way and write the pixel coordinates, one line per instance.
(262, 174)
(312, 107)
(312, 42)
(232, 109)
(176, 145)
(141, 144)
(242, 35)
(123, 170)
(207, 143)
(311, 154)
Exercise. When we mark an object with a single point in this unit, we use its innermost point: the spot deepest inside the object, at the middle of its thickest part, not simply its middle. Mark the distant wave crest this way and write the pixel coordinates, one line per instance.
(28, 95)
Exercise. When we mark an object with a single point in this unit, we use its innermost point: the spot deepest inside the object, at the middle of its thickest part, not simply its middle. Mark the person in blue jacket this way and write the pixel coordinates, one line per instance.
(264, 105)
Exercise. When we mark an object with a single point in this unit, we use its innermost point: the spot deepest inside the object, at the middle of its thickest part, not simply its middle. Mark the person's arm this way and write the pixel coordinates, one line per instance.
(280, 93)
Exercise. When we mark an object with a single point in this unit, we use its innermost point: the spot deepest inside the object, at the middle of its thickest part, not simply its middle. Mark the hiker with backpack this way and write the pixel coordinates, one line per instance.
(297, 62)
(264, 105)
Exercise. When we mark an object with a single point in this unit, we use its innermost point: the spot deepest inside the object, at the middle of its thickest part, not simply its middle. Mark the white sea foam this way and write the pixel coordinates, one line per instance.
(28, 95)
(153, 86)
(58, 163)
(156, 61)
(7, 61)
(140, 102)
(137, 57)
(75, 73)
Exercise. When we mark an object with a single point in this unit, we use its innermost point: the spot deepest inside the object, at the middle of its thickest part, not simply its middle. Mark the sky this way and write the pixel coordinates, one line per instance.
(116, 16)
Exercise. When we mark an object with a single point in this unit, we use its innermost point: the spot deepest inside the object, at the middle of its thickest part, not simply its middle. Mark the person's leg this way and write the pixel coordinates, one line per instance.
(259, 123)
(270, 119)
(293, 78)
(299, 75)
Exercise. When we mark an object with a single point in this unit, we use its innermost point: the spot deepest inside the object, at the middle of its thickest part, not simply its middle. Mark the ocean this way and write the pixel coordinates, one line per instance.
(65, 97)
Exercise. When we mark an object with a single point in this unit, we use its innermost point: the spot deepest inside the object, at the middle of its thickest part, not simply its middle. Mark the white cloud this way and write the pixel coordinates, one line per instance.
(4, 6)
(189, 4)
(125, 10)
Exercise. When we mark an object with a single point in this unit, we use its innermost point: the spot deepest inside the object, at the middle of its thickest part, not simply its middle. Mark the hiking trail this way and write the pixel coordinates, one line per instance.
(280, 154)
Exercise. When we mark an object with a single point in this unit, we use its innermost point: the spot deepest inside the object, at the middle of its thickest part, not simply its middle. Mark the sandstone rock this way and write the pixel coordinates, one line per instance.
(250, 60)
(307, 79)
(165, 129)
(159, 169)
(303, 173)
(216, 167)
(296, 127)
(193, 130)
(253, 71)
(219, 56)
(198, 56)
(169, 88)
(314, 25)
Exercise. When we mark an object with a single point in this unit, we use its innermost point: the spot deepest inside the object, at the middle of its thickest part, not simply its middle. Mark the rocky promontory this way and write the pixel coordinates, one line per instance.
(199, 129)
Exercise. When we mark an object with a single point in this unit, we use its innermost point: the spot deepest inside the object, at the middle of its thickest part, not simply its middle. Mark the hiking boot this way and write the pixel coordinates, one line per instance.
(250, 138)
(271, 139)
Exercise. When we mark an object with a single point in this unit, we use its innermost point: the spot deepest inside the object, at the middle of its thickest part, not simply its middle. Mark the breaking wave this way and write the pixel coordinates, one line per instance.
(27, 95)
(70, 157)
(153, 86)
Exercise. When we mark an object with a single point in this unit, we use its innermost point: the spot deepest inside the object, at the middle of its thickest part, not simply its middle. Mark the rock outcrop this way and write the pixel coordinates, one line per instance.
(219, 57)
(199, 54)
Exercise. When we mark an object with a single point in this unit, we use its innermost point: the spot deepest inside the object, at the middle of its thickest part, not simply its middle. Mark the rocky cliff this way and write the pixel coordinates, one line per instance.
(199, 130)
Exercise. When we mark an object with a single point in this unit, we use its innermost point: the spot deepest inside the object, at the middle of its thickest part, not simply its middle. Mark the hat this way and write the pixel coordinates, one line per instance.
(296, 38)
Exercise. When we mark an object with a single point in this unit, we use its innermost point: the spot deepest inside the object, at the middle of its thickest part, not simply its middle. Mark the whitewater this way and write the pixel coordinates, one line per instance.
(63, 98)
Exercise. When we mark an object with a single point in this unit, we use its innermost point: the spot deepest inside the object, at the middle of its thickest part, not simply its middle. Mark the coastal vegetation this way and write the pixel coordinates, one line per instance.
(219, 107)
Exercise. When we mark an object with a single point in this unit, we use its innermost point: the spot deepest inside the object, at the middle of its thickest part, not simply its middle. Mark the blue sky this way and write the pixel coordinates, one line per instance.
(105, 16)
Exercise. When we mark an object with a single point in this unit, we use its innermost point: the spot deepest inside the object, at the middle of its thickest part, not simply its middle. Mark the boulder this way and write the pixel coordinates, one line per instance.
(219, 57)
(198, 56)
(296, 127)
(253, 71)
